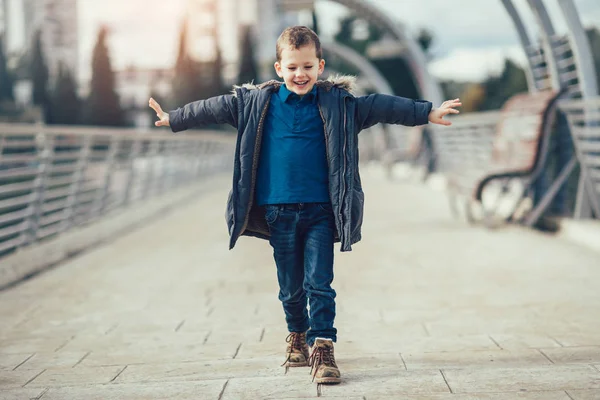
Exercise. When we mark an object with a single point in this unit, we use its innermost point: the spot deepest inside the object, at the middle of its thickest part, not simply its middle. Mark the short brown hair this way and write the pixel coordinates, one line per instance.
(296, 37)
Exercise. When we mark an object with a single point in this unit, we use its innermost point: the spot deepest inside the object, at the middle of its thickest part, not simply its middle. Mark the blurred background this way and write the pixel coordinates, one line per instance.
(85, 62)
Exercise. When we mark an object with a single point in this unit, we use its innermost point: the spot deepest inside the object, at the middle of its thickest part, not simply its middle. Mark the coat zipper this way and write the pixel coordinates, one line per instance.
(344, 153)
(257, 145)
(326, 151)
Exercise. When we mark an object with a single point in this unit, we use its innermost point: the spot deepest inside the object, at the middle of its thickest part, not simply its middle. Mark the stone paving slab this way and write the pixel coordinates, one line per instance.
(584, 394)
(555, 377)
(180, 390)
(17, 379)
(582, 355)
(43, 360)
(10, 361)
(426, 305)
(544, 395)
(478, 358)
(76, 376)
(206, 370)
(523, 341)
(21, 394)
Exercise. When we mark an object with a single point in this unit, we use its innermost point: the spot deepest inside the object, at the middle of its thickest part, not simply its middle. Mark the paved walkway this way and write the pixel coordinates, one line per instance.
(428, 308)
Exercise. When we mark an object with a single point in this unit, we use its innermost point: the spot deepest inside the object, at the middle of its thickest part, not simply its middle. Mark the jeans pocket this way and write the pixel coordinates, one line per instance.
(271, 214)
(325, 207)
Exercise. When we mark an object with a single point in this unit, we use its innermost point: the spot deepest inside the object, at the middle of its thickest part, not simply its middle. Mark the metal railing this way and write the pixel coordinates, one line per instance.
(55, 178)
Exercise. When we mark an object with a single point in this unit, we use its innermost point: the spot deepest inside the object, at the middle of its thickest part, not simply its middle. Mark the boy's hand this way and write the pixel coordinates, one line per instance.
(436, 115)
(162, 116)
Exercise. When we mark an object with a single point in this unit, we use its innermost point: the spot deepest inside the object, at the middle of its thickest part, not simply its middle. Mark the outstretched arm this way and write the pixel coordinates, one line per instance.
(381, 108)
(216, 110)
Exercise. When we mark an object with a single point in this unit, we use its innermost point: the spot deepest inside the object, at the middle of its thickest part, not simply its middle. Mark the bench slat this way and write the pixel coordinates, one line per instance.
(566, 63)
(589, 146)
(587, 132)
(591, 160)
(580, 104)
(569, 76)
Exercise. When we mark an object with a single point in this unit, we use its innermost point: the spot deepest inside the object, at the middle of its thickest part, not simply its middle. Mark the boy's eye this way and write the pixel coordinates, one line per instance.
(292, 68)
(308, 67)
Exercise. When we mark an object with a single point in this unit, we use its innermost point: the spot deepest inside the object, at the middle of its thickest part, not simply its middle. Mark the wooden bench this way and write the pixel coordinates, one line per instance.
(491, 159)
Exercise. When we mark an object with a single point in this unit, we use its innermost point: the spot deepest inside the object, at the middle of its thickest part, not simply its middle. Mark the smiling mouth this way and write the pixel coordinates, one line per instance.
(301, 83)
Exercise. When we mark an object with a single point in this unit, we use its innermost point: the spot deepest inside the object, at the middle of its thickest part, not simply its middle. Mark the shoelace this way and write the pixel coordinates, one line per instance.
(296, 341)
(320, 355)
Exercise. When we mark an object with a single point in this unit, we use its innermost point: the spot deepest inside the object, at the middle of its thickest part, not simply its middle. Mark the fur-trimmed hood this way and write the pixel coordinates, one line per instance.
(344, 82)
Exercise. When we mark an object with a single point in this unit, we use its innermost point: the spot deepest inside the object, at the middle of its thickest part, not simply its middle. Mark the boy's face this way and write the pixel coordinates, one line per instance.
(299, 68)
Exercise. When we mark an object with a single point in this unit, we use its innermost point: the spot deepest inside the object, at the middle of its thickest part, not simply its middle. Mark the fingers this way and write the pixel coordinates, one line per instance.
(452, 103)
(155, 106)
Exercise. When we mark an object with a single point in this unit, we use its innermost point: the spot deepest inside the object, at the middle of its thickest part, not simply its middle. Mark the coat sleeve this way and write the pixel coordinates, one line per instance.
(215, 110)
(384, 108)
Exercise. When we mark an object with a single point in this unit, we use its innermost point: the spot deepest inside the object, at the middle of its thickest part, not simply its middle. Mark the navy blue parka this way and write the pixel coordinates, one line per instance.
(344, 116)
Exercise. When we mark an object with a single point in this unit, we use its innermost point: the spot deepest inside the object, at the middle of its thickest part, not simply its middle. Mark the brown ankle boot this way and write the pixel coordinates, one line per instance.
(297, 350)
(322, 362)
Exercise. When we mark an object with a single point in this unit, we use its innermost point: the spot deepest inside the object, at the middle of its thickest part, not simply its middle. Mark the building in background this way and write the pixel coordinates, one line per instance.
(214, 24)
(57, 20)
(3, 17)
(135, 86)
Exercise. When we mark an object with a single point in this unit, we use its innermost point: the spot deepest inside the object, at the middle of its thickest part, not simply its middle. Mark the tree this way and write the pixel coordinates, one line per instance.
(248, 68)
(425, 39)
(472, 97)
(394, 69)
(103, 106)
(186, 83)
(347, 34)
(500, 88)
(39, 72)
(215, 85)
(315, 22)
(65, 105)
(6, 84)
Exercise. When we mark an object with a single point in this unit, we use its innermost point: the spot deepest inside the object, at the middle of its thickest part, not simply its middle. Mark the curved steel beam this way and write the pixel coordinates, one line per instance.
(427, 85)
(368, 71)
(525, 42)
(581, 49)
(547, 33)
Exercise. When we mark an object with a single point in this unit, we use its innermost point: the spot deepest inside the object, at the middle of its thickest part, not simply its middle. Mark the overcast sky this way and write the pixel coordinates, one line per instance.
(472, 37)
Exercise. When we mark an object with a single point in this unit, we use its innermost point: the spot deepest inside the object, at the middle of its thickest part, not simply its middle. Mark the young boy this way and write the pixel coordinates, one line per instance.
(296, 180)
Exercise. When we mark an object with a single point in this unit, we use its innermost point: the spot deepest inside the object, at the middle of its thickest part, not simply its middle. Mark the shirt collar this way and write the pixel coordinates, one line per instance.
(285, 93)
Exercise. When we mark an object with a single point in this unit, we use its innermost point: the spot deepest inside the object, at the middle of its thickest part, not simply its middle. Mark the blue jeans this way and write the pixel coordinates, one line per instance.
(302, 238)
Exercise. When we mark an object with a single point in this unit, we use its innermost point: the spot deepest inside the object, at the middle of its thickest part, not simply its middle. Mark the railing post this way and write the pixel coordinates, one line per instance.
(152, 157)
(135, 151)
(45, 151)
(102, 200)
(70, 212)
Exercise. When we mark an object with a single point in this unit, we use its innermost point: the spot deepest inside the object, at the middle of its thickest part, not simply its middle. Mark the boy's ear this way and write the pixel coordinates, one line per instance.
(278, 69)
(321, 66)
